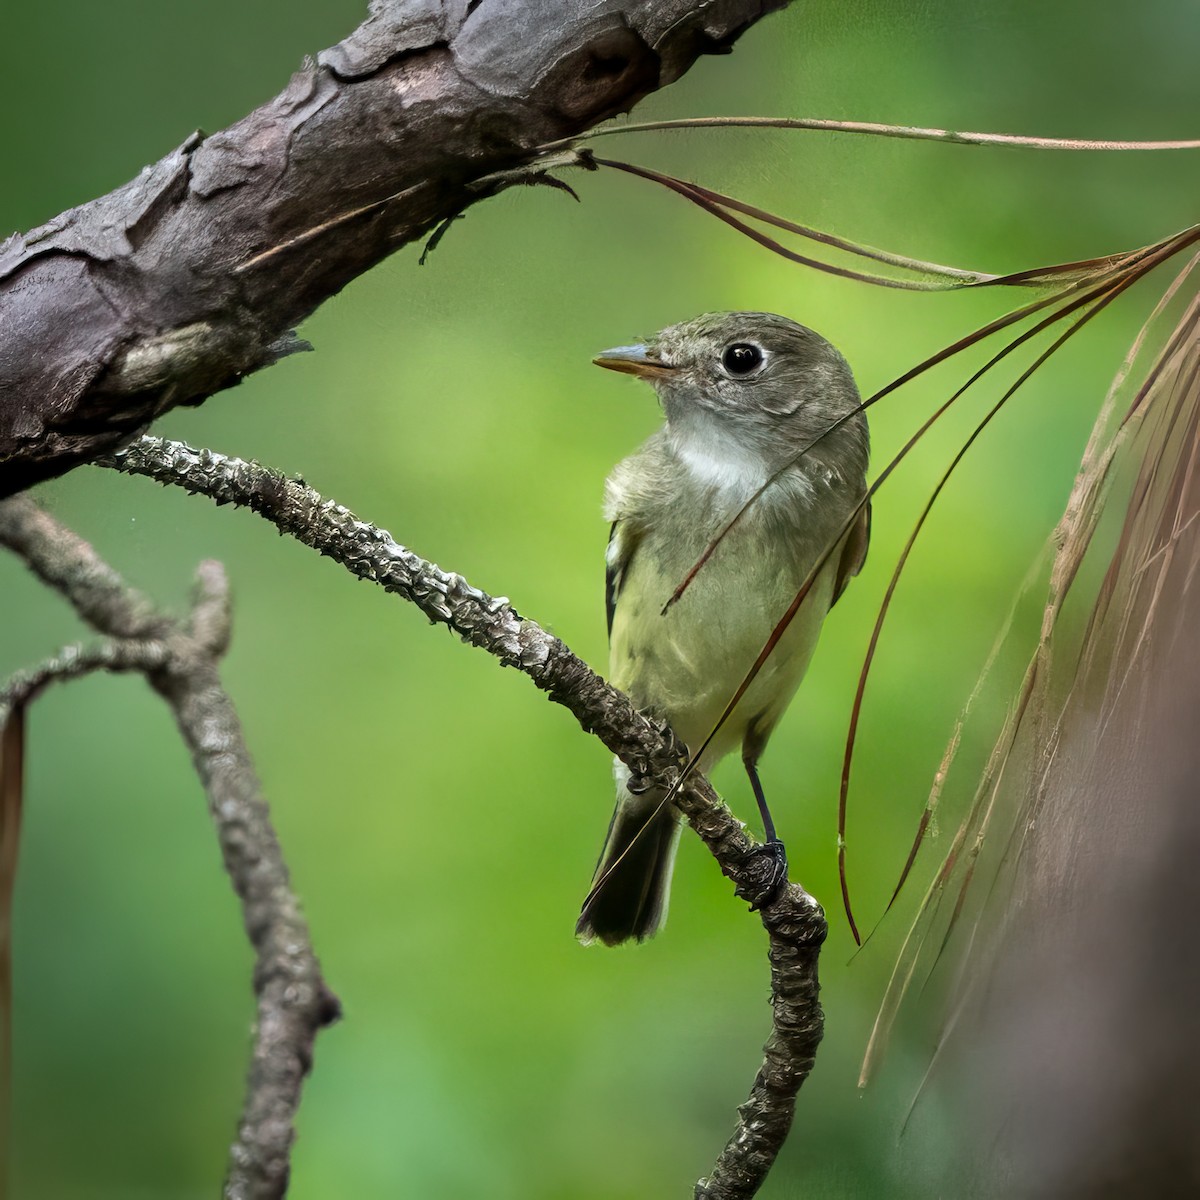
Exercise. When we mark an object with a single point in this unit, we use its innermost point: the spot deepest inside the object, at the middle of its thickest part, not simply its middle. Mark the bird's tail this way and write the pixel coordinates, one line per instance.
(628, 898)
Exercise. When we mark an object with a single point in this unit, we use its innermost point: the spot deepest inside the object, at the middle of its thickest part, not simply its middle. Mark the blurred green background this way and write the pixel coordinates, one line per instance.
(440, 818)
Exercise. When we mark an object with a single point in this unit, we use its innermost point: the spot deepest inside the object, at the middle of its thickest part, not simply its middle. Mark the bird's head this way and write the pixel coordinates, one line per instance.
(751, 384)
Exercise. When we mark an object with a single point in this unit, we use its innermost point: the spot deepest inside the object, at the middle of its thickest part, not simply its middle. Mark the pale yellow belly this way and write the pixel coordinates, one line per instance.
(687, 665)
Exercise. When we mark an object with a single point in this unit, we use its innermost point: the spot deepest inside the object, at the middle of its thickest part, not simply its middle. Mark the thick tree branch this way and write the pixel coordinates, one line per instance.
(793, 920)
(191, 276)
(180, 661)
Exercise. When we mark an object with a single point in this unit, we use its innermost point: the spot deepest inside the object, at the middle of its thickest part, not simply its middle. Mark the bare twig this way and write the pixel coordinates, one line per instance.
(180, 662)
(117, 655)
(793, 920)
(65, 562)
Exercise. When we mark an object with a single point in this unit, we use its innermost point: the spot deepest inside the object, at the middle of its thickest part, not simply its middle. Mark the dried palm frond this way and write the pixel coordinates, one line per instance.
(1087, 793)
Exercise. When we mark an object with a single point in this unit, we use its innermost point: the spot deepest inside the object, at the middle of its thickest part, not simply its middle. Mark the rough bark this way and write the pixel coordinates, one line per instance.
(192, 275)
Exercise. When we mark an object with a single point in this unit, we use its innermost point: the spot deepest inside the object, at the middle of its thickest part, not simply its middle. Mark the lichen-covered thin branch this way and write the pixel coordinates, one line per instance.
(793, 920)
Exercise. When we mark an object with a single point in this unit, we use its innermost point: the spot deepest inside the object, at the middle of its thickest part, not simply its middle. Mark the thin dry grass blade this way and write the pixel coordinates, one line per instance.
(1071, 539)
(942, 773)
(907, 961)
(1179, 404)
(1142, 265)
(1151, 255)
(880, 129)
(937, 276)
(885, 605)
(704, 199)
(713, 202)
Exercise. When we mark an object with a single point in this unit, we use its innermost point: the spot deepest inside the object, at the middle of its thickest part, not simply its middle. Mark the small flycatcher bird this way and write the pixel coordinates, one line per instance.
(746, 395)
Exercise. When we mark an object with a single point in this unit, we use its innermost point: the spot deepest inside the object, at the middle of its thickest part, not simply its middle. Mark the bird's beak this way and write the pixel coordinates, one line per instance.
(633, 360)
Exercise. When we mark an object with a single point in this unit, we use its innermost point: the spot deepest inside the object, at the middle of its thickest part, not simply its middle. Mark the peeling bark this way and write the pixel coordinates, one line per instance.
(192, 275)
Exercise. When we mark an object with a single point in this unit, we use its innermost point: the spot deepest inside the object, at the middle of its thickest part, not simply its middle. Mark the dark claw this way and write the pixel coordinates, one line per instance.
(767, 867)
(637, 785)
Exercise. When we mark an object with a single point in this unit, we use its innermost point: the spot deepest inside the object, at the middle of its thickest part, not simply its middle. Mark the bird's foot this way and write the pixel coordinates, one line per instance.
(767, 874)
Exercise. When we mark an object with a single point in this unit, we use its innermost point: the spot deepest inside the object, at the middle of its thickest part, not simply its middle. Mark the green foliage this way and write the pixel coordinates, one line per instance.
(440, 818)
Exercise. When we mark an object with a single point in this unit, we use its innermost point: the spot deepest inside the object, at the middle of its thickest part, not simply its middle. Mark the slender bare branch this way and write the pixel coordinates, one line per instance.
(117, 655)
(180, 661)
(68, 564)
(293, 999)
(368, 552)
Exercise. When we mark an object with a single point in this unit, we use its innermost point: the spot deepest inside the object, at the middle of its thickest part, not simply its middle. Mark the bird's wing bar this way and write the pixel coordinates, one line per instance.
(622, 542)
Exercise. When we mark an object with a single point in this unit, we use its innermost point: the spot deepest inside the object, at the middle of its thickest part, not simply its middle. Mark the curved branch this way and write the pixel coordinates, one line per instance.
(191, 276)
(793, 920)
(180, 662)
(117, 655)
(797, 931)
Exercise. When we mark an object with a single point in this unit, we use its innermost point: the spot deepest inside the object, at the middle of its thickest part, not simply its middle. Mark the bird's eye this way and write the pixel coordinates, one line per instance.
(741, 358)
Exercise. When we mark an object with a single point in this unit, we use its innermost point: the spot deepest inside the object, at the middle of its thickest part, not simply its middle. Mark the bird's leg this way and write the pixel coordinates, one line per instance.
(763, 811)
(772, 876)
